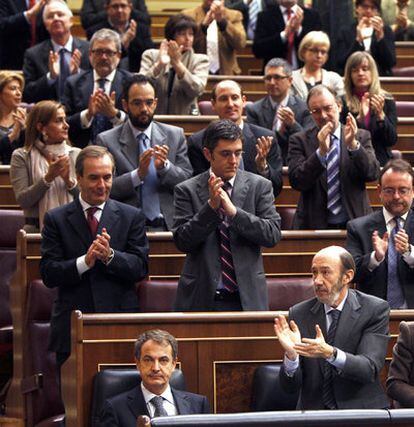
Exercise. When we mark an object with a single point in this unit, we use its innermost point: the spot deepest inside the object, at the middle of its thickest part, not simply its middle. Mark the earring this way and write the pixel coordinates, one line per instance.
(44, 136)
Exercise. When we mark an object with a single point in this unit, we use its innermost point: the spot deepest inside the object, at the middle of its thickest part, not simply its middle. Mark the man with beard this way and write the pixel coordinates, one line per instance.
(335, 344)
(150, 157)
(382, 243)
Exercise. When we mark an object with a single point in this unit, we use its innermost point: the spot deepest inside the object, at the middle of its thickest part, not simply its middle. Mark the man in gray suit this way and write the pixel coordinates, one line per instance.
(150, 157)
(221, 219)
(335, 344)
(280, 111)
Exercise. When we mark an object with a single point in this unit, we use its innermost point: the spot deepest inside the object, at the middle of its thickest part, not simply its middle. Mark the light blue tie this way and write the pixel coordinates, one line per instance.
(334, 187)
(395, 296)
(150, 199)
(254, 9)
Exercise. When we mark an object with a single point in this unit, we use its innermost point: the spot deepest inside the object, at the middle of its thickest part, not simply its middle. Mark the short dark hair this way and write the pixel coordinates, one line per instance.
(221, 129)
(397, 165)
(160, 337)
(95, 151)
(108, 2)
(279, 62)
(179, 22)
(135, 79)
(213, 91)
(377, 4)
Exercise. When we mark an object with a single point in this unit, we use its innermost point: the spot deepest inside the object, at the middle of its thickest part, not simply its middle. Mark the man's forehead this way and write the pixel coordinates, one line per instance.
(226, 144)
(228, 88)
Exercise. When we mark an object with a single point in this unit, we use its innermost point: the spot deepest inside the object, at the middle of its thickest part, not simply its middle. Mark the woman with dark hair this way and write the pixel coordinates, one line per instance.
(373, 107)
(179, 74)
(42, 173)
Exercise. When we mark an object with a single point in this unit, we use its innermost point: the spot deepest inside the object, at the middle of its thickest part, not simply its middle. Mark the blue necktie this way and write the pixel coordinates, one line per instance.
(100, 122)
(395, 296)
(64, 72)
(150, 199)
(334, 187)
(254, 9)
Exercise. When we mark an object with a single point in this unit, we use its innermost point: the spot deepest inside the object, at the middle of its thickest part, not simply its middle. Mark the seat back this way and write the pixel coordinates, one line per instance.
(403, 71)
(156, 296)
(405, 108)
(285, 292)
(110, 382)
(286, 215)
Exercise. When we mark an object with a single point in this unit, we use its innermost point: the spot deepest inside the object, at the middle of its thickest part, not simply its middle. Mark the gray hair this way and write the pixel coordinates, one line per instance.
(62, 2)
(106, 34)
(279, 62)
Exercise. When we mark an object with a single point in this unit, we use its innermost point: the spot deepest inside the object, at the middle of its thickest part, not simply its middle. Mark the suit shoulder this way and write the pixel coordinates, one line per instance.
(361, 222)
(110, 134)
(257, 105)
(84, 44)
(197, 137)
(255, 178)
(199, 398)
(60, 211)
(169, 128)
(128, 210)
(190, 183)
(74, 79)
(259, 130)
(369, 300)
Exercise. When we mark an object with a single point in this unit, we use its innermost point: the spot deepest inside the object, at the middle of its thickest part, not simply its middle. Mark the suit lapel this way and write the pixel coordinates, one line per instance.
(109, 216)
(158, 137)
(182, 402)
(129, 145)
(117, 87)
(77, 219)
(319, 318)
(249, 148)
(202, 187)
(240, 189)
(268, 112)
(136, 402)
(86, 87)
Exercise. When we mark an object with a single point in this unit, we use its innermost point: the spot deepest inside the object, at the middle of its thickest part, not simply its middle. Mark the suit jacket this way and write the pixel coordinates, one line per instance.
(230, 40)
(185, 91)
(15, 33)
(124, 147)
(400, 381)
(131, 57)
(36, 66)
(382, 51)
(308, 175)
(250, 135)
(359, 243)
(383, 134)
(267, 43)
(362, 333)
(103, 288)
(262, 113)
(78, 89)
(123, 409)
(255, 224)
(93, 12)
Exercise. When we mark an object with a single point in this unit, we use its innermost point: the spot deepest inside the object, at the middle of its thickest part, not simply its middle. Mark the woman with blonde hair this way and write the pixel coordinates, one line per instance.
(42, 173)
(12, 115)
(314, 51)
(373, 107)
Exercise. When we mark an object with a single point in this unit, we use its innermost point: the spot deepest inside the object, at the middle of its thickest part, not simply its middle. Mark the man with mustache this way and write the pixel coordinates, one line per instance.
(330, 164)
(335, 344)
(150, 157)
(382, 243)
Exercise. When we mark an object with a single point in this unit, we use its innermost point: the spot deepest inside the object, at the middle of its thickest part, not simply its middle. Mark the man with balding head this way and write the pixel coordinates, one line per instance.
(335, 343)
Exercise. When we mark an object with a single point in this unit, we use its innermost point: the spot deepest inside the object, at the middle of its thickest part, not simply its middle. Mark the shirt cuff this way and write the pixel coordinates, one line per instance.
(136, 181)
(110, 258)
(290, 365)
(373, 263)
(354, 149)
(340, 360)
(165, 169)
(408, 257)
(81, 265)
(84, 121)
(117, 121)
(283, 36)
(322, 159)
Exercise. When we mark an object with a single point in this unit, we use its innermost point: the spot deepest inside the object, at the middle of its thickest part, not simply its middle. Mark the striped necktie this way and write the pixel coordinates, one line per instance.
(333, 181)
(254, 9)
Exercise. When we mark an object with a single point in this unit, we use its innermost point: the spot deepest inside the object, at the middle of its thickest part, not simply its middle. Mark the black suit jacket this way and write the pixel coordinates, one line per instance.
(250, 134)
(78, 89)
(36, 66)
(103, 288)
(382, 51)
(308, 175)
(359, 243)
(123, 409)
(262, 113)
(267, 43)
(363, 334)
(131, 58)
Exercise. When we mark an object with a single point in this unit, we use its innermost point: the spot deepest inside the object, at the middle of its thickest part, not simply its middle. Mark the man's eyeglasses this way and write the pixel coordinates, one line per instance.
(403, 191)
(326, 109)
(276, 77)
(102, 52)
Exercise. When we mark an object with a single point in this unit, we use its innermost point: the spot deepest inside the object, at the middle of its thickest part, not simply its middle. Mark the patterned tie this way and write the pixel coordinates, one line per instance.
(100, 122)
(160, 411)
(290, 39)
(334, 188)
(228, 275)
(254, 9)
(64, 72)
(150, 200)
(92, 221)
(395, 294)
(328, 397)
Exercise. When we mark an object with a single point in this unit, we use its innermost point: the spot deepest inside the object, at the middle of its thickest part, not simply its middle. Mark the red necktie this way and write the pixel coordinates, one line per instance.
(32, 24)
(92, 221)
(290, 39)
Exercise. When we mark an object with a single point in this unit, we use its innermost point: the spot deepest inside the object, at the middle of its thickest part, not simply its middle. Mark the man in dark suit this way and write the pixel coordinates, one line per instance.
(335, 344)
(156, 354)
(280, 111)
(147, 171)
(330, 164)
(261, 154)
(374, 238)
(135, 35)
(93, 98)
(44, 69)
(281, 28)
(93, 250)
(21, 26)
(221, 219)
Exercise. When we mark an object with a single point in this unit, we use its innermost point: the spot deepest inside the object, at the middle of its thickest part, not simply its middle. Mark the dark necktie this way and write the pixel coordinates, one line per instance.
(333, 182)
(64, 72)
(100, 122)
(290, 39)
(228, 275)
(160, 411)
(395, 295)
(328, 397)
(92, 221)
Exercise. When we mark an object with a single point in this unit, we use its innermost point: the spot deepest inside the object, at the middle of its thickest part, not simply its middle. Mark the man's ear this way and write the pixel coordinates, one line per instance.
(347, 277)
(207, 154)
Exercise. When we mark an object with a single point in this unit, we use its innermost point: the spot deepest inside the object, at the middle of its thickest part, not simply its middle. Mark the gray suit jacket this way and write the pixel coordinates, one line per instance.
(121, 142)
(255, 224)
(362, 333)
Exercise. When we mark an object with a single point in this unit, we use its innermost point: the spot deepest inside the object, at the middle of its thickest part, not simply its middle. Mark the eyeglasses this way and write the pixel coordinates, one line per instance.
(276, 77)
(118, 6)
(326, 109)
(316, 51)
(227, 154)
(403, 191)
(142, 102)
(102, 52)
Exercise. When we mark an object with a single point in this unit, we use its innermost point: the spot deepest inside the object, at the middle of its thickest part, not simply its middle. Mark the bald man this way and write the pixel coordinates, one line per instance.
(335, 343)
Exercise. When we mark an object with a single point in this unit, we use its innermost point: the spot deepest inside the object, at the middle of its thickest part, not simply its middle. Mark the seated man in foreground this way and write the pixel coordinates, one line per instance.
(335, 344)
(156, 357)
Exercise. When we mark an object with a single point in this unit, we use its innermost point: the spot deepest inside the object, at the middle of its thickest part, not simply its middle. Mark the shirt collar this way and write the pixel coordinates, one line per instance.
(68, 46)
(86, 205)
(167, 394)
(230, 181)
(136, 132)
(388, 216)
(110, 77)
(283, 103)
(340, 307)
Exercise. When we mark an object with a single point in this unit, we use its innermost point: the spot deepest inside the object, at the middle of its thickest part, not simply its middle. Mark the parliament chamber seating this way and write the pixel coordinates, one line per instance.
(403, 71)
(405, 108)
(110, 382)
